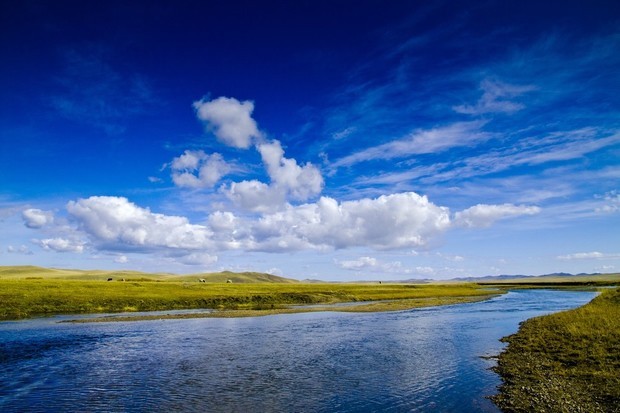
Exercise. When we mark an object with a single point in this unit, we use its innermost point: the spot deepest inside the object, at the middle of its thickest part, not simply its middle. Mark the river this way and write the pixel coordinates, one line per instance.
(408, 361)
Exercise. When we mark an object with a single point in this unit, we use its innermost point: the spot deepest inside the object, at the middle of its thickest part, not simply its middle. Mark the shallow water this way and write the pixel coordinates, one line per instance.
(415, 361)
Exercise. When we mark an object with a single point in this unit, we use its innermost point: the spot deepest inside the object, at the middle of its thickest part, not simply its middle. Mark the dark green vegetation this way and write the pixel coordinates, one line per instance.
(35, 292)
(565, 362)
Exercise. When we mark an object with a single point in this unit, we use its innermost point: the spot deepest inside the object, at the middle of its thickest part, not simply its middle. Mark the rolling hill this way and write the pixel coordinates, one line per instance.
(33, 272)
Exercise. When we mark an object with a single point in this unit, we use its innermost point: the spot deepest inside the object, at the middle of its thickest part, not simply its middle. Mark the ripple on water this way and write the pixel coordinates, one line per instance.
(417, 361)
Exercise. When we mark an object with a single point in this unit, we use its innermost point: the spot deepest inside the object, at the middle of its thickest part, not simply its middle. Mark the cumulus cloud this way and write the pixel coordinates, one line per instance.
(36, 218)
(496, 98)
(387, 222)
(482, 215)
(371, 264)
(288, 180)
(256, 196)
(229, 120)
(301, 182)
(196, 169)
(116, 223)
(361, 262)
(60, 245)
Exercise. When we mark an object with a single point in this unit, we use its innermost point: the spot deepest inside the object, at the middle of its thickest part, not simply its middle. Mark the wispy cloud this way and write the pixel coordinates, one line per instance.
(22, 249)
(497, 97)
(482, 216)
(93, 92)
(611, 202)
(532, 150)
(593, 255)
(423, 141)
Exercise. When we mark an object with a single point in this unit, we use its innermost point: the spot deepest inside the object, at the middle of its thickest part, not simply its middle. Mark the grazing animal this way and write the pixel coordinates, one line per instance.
(229, 281)
(109, 279)
(202, 280)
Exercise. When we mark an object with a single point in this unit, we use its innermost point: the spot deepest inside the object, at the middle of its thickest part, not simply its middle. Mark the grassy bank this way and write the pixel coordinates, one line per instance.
(23, 298)
(565, 362)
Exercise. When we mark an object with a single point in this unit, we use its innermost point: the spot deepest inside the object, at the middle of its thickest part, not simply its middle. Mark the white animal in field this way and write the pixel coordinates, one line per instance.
(202, 280)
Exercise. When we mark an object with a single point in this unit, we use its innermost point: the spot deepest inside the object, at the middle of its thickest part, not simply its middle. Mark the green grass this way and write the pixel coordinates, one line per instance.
(29, 297)
(565, 362)
(32, 272)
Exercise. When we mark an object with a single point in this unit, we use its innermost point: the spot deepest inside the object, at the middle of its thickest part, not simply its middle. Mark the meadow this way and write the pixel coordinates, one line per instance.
(32, 296)
(565, 362)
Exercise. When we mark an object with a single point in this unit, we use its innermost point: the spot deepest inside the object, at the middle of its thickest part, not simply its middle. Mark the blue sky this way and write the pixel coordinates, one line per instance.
(336, 140)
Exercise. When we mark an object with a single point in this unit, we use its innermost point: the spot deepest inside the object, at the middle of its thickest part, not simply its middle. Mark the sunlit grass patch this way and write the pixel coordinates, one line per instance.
(21, 298)
(565, 362)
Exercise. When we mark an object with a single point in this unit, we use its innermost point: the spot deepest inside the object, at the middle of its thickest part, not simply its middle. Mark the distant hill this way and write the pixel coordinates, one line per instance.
(33, 272)
(236, 277)
(546, 278)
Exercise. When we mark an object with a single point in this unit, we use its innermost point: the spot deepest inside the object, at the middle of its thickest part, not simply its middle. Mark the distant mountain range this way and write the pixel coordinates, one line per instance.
(522, 276)
(33, 272)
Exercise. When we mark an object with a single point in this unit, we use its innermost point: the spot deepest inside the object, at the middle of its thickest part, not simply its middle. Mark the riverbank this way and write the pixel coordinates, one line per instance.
(352, 307)
(27, 298)
(564, 362)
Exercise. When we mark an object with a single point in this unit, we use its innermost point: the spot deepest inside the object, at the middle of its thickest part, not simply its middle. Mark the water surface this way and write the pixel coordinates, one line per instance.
(408, 361)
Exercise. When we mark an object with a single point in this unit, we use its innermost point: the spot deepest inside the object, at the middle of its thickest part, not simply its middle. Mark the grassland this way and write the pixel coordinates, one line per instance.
(592, 280)
(31, 272)
(565, 362)
(34, 292)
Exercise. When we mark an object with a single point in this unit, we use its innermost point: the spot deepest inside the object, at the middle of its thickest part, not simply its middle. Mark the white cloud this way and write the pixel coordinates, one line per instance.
(60, 245)
(362, 262)
(288, 180)
(301, 182)
(210, 169)
(371, 264)
(481, 215)
(388, 222)
(612, 202)
(198, 259)
(229, 231)
(22, 249)
(36, 218)
(344, 133)
(587, 256)
(115, 223)
(427, 271)
(495, 98)
(255, 196)
(421, 141)
(534, 150)
(121, 259)
(229, 120)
